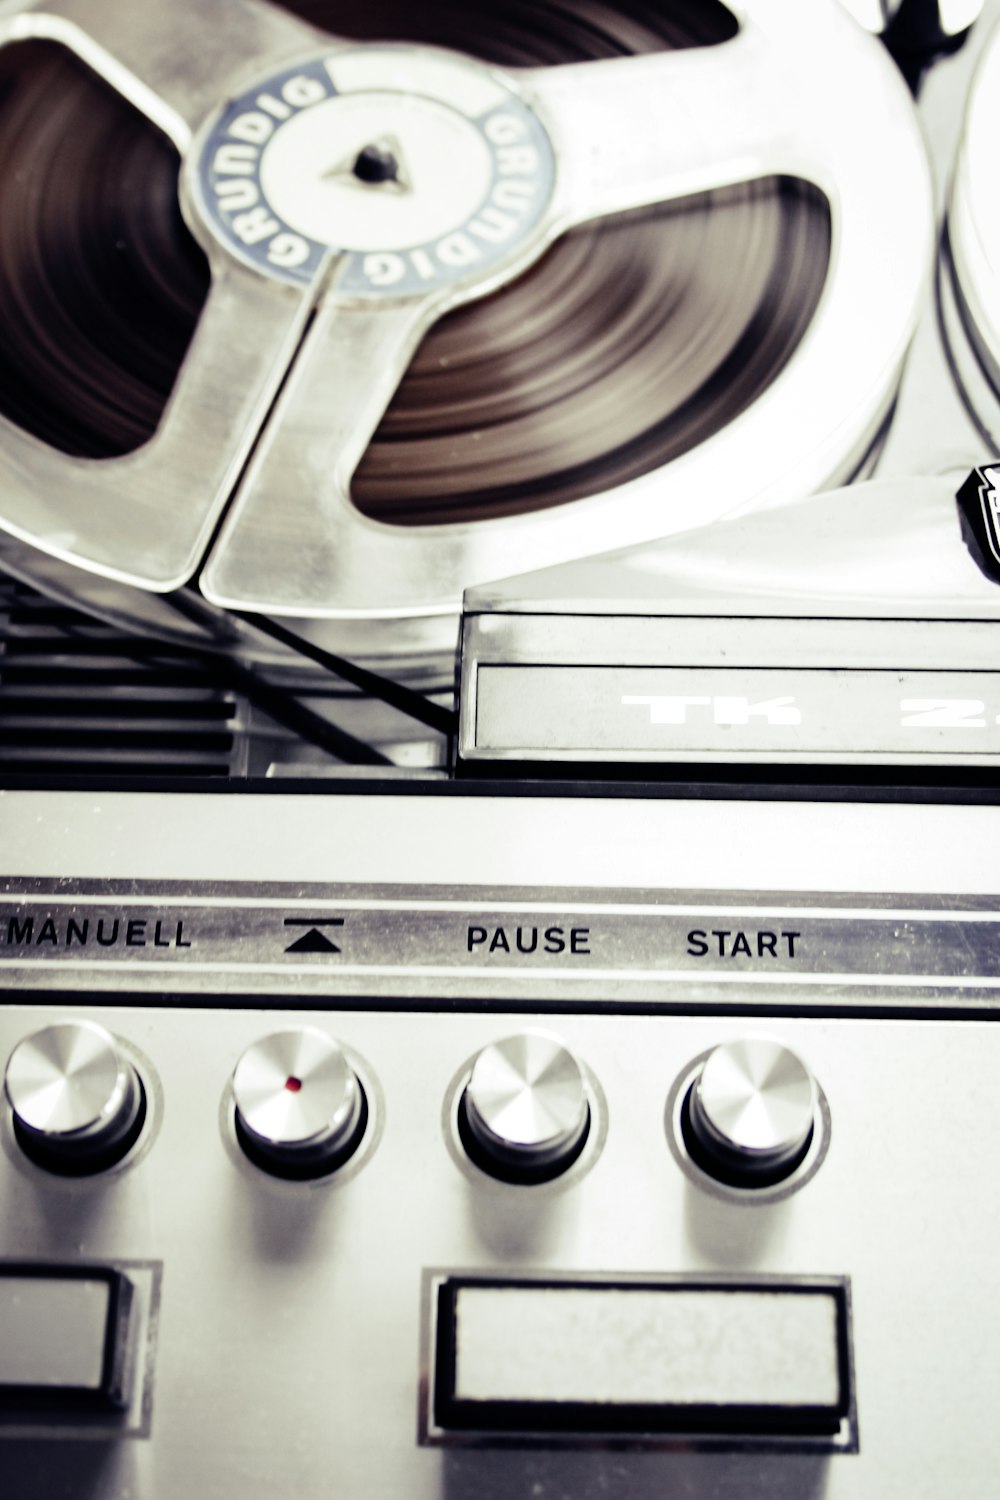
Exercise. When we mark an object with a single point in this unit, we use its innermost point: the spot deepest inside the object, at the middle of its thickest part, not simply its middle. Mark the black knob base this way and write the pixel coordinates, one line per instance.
(303, 1163)
(726, 1164)
(508, 1164)
(85, 1156)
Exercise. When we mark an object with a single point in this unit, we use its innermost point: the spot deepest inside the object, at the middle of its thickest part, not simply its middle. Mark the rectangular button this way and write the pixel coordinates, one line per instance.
(63, 1338)
(672, 1356)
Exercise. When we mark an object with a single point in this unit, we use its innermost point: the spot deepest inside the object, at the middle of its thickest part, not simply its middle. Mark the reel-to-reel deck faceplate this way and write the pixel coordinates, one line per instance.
(348, 197)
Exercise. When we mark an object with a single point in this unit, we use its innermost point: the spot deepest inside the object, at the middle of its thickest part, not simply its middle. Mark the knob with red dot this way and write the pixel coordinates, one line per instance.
(299, 1108)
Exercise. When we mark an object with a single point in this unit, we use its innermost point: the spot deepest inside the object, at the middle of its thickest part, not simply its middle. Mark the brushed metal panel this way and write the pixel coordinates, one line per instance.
(290, 1348)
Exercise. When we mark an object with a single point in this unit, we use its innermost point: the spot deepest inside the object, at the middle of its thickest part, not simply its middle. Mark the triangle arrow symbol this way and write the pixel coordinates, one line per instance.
(312, 941)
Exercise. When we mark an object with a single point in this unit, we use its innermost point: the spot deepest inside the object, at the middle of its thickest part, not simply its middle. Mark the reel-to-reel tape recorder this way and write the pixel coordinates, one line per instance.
(590, 1090)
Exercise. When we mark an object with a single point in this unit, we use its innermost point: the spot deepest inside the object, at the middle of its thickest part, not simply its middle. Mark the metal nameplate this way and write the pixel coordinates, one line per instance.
(421, 942)
(644, 713)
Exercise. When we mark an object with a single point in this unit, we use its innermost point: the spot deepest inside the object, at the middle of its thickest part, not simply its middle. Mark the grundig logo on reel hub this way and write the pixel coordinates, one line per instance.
(420, 168)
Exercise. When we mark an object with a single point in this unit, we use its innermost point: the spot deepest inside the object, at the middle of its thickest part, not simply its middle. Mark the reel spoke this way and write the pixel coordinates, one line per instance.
(146, 517)
(634, 131)
(173, 59)
(292, 541)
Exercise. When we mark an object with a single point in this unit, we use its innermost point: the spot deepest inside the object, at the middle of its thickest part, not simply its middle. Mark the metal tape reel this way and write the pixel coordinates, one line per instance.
(300, 371)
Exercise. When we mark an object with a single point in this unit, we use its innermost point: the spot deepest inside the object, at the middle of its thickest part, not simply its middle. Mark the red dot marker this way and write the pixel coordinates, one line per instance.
(293, 1085)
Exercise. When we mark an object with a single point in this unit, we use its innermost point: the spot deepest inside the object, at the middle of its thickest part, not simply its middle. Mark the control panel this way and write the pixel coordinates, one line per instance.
(736, 1238)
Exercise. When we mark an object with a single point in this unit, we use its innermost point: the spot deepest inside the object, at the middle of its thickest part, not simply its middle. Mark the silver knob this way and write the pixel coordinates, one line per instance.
(78, 1103)
(300, 1109)
(524, 1115)
(751, 1112)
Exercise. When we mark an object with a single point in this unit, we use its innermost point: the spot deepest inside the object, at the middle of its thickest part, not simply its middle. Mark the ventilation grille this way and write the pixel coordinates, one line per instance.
(78, 697)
